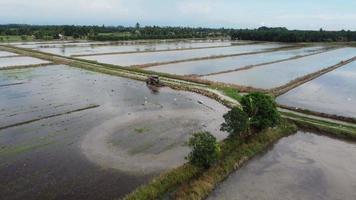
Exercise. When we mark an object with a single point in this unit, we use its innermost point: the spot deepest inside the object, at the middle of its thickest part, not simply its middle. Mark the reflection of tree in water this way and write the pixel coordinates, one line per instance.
(153, 89)
(63, 49)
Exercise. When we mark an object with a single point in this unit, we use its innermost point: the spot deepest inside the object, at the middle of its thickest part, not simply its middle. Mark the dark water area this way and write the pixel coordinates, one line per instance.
(156, 57)
(304, 166)
(17, 61)
(332, 93)
(204, 67)
(73, 49)
(278, 74)
(45, 159)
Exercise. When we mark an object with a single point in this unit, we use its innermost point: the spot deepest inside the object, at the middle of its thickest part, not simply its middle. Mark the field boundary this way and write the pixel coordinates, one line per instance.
(266, 63)
(48, 117)
(333, 128)
(147, 51)
(213, 57)
(196, 183)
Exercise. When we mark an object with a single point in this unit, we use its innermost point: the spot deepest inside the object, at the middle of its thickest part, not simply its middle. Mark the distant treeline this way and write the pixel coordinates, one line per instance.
(110, 32)
(106, 33)
(285, 35)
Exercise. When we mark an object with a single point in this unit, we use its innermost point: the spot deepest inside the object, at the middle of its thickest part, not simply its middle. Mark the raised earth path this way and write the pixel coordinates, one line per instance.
(174, 83)
(123, 72)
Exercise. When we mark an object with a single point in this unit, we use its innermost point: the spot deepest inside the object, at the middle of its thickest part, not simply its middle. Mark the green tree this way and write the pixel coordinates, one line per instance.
(23, 37)
(236, 122)
(39, 35)
(205, 150)
(261, 109)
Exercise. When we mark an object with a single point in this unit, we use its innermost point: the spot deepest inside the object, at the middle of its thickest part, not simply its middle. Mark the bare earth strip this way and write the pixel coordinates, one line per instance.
(181, 83)
(11, 56)
(214, 57)
(26, 66)
(267, 63)
(164, 50)
(148, 51)
(47, 117)
(289, 86)
(11, 84)
(299, 81)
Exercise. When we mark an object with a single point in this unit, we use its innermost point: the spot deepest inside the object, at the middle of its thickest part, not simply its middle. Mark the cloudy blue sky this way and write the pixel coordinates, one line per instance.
(296, 14)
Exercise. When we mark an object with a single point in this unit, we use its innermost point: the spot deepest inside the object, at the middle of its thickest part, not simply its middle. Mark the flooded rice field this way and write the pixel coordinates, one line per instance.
(278, 74)
(159, 57)
(20, 61)
(75, 49)
(304, 166)
(6, 53)
(58, 44)
(204, 67)
(67, 133)
(332, 93)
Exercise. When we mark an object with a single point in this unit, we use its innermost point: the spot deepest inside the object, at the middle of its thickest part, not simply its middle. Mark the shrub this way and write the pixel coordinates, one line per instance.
(261, 109)
(236, 122)
(205, 150)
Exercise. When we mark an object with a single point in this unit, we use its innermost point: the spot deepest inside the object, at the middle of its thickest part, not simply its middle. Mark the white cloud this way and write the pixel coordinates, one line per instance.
(301, 14)
(196, 7)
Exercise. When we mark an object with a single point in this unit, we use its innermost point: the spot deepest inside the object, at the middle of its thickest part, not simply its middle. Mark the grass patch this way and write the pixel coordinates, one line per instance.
(15, 38)
(231, 92)
(326, 127)
(15, 150)
(195, 183)
(141, 130)
(164, 183)
(235, 154)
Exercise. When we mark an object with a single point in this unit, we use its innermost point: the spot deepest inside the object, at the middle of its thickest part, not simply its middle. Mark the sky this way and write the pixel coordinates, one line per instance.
(293, 14)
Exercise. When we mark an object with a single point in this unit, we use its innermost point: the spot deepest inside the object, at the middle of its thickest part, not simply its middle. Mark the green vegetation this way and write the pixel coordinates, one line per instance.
(205, 150)
(236, 123)
(105, 33)
(206, 168)
(205, 180)
(235, 153)
(231, 92)
(261, 109)
(22, 148)
(282, 34)
(141, 130)
(163, 184)
(345, 131)
(15, 38)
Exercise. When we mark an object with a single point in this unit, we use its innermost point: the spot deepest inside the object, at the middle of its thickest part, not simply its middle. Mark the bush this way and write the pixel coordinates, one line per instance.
(261, 109)
(236, 122)
(205, 150)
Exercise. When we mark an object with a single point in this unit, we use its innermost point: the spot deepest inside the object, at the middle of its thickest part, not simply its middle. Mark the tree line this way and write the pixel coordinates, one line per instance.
(106, 33)
(112, 33)
(284, 35)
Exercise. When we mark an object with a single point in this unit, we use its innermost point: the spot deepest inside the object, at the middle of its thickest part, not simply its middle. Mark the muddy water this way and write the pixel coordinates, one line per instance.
(154, 57)
(230, 63)
(19, 61)
(93, 48)
(5, 53)
(332, 93)
(304, 166)
(279, 74)
(80, 152)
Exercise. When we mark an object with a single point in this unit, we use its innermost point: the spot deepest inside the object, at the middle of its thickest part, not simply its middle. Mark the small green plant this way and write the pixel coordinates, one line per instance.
(205, 150)
(236, 123)
(141, 130)
(261, 109)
